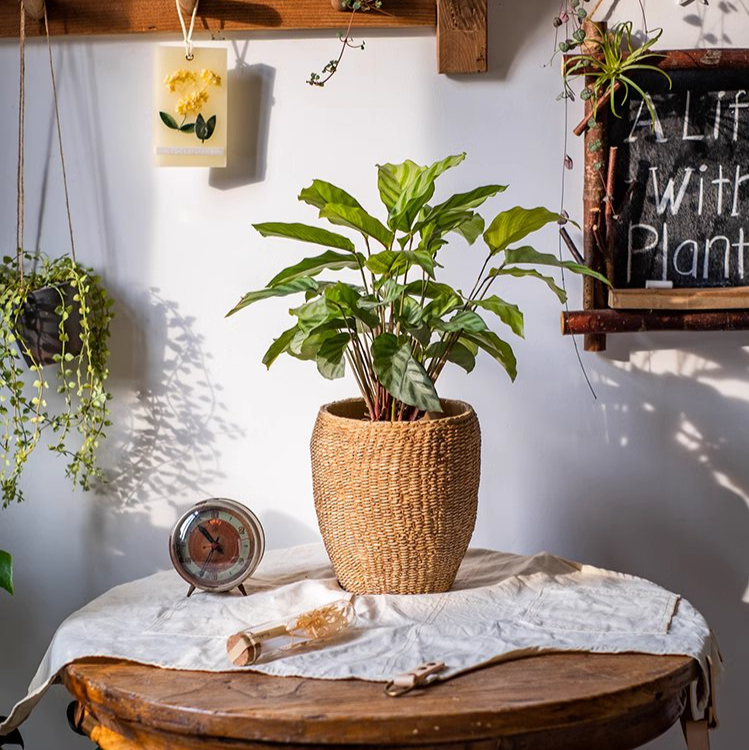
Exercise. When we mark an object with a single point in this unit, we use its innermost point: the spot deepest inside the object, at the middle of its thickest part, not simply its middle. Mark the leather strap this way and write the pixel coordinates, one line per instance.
(697, 732)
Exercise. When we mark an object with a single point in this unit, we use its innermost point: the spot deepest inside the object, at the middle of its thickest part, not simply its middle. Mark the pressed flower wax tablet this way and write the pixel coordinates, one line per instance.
(190, 107)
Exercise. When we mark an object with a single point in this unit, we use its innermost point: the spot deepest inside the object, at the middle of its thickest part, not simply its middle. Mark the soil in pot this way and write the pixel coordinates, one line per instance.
(39, 325)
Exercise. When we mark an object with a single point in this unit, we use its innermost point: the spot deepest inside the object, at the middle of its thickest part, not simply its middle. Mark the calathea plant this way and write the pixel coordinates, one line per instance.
(395, 324)
(53, 335)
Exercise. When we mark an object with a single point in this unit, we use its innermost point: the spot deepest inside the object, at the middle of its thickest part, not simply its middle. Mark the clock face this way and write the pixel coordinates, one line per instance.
(217, 544)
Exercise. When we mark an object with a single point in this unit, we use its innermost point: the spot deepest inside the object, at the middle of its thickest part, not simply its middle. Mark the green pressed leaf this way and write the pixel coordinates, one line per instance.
(512, 226)
(402, 374)
(520, 272)
(393, 179)
(6, 571)
(507, 312)
(496, 348)
(168, 120)
(330, 357)
(458, 354)
(465, 320)
(201, 128)
(210, 126)
(305, 233)
(188, 127)
(279, 346)
(330, 261)
(527, 254)
(282, 290)
(357, 218)
(419, 191)
(321, 193)
(347, 299)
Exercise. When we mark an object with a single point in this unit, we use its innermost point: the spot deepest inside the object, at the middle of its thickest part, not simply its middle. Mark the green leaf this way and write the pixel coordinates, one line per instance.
(188, 127)
(527, 254)
(443, 304)
(210, 126)
(520, 272)
(279, 346)
(465, 320)
(330, 358)
(168, 120)
(396, 263)
(472, 199)
(458, 354)
(418, 192)
(430, 289)
(508, 313)
(402, 374)
(357, 218)
(6, 571)
(330, 261)
(393, 179)
(390, 291)
(305, 233)
(495, 347)
(511, 226)
(312, 314)
(321, 193)
(282, 290)
(347, 299)
(471, 229)
(201, 129)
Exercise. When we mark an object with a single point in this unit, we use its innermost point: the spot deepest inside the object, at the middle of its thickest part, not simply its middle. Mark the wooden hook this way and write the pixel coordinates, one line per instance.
(34, 9)
(187, 6)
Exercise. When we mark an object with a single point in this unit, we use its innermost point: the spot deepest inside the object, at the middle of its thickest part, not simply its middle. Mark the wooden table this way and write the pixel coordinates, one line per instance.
(551, 702)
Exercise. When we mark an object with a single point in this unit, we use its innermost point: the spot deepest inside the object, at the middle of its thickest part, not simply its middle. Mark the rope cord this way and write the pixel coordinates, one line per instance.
(187, 33)
(21, 128)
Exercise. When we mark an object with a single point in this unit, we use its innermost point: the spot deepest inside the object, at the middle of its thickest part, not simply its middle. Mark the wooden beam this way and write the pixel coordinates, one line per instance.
(461, 36)
(727, 298)
(85, 17)
(588, 322)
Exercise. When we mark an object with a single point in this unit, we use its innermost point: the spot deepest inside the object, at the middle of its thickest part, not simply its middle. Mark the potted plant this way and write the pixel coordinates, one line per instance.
(396, 472)
(55, 324)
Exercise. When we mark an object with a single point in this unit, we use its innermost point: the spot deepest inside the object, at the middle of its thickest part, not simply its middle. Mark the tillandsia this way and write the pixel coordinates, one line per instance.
(392, 321)
(76, 416)
(331, 67)
(609, 62)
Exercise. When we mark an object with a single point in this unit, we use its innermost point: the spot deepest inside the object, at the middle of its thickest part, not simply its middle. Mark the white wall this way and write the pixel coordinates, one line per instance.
(651, 478)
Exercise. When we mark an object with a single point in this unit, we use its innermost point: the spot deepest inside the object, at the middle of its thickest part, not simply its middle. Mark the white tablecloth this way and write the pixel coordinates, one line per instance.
(502, 606)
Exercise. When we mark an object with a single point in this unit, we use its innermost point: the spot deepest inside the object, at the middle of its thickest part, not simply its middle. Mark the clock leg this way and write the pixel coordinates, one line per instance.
(190, 590)
(242, 589)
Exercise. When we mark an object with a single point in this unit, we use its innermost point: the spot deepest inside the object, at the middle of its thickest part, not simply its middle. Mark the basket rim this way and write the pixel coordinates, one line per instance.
(466, 412)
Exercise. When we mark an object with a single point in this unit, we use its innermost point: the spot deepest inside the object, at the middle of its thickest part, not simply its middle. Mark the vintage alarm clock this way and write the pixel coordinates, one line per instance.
(216, 545)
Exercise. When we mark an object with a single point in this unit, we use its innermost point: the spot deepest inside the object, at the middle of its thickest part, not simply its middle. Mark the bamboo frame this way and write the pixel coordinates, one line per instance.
(597, 319)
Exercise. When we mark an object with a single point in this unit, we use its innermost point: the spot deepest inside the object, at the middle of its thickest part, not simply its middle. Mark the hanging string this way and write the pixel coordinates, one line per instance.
(21, 126)
(59, 136)
(187, 33)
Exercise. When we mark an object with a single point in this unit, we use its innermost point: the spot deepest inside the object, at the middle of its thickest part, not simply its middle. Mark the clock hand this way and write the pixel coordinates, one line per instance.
(206, 563)
(205, 533)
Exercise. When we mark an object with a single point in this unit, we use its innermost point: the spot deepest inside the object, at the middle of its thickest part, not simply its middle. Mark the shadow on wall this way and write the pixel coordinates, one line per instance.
(163, 446)
(687, 505)
(250, 104)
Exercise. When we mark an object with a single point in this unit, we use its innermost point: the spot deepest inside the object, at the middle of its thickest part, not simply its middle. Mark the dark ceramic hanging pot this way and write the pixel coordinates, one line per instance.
(38, 325)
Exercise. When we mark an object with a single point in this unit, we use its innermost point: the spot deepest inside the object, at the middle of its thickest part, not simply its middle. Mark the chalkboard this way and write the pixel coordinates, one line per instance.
(682, 190)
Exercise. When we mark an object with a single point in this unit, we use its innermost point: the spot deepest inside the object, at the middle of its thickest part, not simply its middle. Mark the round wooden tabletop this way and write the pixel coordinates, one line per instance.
(568, 701)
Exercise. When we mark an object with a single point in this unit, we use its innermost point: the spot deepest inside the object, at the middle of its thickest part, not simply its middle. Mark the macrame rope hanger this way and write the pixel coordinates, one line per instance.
(190, 7)
(36, 9)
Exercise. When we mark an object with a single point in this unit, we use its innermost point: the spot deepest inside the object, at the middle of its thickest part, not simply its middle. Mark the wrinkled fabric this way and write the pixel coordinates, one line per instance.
(502, 606)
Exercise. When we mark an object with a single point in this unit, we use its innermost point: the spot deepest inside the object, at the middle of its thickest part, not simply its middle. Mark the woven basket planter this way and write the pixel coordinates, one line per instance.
(396, 502)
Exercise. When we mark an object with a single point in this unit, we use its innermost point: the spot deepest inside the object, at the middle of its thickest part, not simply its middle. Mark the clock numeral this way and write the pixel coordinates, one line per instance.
(214, 514)
(214, 576)
(187, 560)
(240, 561)
(241, 529)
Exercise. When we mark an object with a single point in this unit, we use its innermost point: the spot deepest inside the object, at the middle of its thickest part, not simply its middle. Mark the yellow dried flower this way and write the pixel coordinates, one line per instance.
(179, 79)
(210, 78)
(192, 103)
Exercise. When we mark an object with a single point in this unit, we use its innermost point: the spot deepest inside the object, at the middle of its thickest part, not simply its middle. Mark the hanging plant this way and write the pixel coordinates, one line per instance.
(331, 68)
(54, 327)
